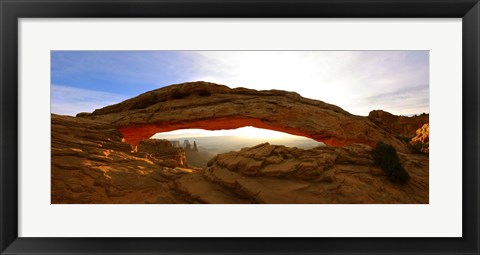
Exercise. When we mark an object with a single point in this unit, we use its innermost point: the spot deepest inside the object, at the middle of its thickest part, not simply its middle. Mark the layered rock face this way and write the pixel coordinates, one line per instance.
(422, 134)
(163, 150)
(213, 107)
(91, 164)
(278, 174)
(398, 125)
(422, 138)
(106, 156)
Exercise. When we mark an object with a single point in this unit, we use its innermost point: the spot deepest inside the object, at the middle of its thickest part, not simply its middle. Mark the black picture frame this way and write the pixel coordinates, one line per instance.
(12, 10)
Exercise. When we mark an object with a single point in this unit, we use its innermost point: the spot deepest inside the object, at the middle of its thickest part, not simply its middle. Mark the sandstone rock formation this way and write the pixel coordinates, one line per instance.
(422, 134)
(163, 150)
(106, 156)
(212, 107)
(278, 174)
(91, 164)
(398, 125)
(199, 159)
(422, 138)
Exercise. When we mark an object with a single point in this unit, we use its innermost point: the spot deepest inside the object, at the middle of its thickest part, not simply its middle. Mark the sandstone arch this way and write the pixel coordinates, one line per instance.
(211, 106)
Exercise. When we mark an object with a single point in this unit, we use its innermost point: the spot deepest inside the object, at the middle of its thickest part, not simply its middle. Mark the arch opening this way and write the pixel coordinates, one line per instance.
(134, 133)
(219, 141)
(200, 145)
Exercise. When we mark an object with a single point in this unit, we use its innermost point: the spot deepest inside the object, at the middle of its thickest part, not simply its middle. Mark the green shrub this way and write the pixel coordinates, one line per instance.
(386, 157)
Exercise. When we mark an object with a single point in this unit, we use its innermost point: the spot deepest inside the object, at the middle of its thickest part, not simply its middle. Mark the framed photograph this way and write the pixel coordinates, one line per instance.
(172, 127)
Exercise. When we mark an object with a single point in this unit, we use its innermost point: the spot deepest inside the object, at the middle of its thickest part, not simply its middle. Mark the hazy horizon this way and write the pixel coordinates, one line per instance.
(226, 143)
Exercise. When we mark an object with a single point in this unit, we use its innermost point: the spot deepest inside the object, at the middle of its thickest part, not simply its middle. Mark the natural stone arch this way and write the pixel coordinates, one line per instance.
(211, 106)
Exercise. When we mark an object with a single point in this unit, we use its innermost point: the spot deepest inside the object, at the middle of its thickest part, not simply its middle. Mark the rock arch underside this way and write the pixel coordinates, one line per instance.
(92, 160)
(212, 107)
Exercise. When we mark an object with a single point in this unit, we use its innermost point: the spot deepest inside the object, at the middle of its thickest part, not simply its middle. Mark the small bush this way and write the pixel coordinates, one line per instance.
(415, 147)
(386, 157)
(404, 139)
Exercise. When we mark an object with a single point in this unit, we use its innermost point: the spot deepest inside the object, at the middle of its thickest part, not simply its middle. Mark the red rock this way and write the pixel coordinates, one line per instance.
(320, 175)
(422, 134)
(398, 125)
(213, 107)
(163, 150)
(422, 139)
(93, 160)
(92, 164)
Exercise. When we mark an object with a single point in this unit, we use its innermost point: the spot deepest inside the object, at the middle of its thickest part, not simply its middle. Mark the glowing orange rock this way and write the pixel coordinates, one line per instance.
(137, 132)
(213, 107)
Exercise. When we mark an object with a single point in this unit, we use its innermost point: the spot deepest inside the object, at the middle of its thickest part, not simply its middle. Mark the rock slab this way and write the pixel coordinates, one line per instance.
(211, 106)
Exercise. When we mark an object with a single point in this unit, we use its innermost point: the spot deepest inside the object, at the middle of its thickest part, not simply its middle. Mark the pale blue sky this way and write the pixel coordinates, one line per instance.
(357, 81)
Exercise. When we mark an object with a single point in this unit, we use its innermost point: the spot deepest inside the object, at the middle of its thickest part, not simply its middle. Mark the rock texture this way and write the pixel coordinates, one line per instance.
(422, 138)
(278, 174)
(91, 163)
(163, 150)
(212, 107)
(398, 125)
(422, 134)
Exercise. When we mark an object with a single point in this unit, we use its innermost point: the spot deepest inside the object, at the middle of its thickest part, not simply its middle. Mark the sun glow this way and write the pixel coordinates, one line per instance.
(247, 132)
(357, 81)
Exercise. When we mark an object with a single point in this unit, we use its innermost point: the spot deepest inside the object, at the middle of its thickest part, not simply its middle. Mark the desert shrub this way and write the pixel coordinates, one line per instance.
(415, 147)
(386, 157)
(404, 139)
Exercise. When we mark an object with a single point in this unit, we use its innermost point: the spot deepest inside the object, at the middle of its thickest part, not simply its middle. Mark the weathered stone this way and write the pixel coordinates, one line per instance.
(319, 175)
(422, 139)
(92, 164)
(163, 150)
(212, 107)
(398, 125)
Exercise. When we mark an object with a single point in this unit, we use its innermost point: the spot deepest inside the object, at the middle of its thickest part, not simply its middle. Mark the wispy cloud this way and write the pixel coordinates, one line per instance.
(349, 79)
(358, 81)
(70, 101)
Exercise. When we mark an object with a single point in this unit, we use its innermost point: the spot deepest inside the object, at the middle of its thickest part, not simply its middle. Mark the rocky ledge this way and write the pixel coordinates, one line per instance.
(278, 174)
(211, 106)
(398, 125)
(91, 163)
